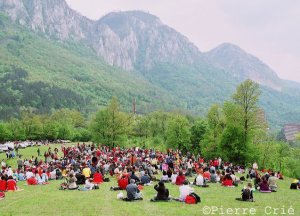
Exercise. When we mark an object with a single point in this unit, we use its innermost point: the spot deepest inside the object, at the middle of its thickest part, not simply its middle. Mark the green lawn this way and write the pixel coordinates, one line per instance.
(48, 200)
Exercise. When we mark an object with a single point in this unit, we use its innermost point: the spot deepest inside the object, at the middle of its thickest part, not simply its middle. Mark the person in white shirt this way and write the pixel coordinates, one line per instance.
(185, 190)
(29, 174)
(199, 180)
(173, 177)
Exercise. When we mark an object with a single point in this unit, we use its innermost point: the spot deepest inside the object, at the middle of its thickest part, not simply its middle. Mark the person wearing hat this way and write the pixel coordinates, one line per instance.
(133, 193)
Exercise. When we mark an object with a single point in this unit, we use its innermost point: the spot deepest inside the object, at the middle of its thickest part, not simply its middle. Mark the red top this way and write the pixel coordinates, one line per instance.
(11, 185)
(98, 179)
(180, 180)
(227, 182)
(32, 181)
(206, 175)
(123, 182)
(3, 185)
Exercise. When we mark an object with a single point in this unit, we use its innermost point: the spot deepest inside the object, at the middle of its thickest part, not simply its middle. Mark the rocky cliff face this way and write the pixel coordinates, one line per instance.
(52, 17)
(134, 40)
(243, 65)
(130, 40)
(137, 40)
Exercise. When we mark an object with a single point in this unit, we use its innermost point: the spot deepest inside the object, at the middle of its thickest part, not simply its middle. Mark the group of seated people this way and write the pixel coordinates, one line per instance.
(266, 183)
(8, 184)
(85, 177)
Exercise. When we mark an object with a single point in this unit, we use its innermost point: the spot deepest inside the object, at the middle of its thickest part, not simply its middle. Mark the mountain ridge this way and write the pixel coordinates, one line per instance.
(143, 52)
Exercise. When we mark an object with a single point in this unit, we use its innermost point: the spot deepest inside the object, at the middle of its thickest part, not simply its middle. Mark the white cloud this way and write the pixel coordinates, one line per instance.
(269, 29)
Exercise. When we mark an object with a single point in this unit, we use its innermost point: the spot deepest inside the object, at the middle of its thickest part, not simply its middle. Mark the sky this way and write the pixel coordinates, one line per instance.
(268, 29)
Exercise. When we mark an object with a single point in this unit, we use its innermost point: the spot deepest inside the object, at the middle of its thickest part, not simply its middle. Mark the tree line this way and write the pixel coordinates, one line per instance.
(237, 130)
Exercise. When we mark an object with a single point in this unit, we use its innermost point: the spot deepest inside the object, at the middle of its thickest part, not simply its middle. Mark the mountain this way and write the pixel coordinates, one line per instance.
(126, 54)
(51, 17)
(243, 65)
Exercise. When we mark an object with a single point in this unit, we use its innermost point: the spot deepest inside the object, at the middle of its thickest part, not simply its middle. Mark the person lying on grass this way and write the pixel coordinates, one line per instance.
(162, 192)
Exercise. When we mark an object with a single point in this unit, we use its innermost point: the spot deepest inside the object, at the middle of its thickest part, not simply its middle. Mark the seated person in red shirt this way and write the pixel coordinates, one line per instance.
(11, 184)
(206, 174)
(32, 181)
(227, 181)
(98, 178)
(122, 183)
(3, 184)
(180, 178)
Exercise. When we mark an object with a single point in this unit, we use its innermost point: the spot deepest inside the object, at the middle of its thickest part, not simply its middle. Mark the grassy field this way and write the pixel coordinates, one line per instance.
(48, 200)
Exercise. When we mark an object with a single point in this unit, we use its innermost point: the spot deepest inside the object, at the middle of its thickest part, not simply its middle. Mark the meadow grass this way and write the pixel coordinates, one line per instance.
(48, 200)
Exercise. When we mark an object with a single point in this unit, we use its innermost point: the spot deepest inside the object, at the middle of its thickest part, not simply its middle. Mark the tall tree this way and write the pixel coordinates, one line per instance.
(178, 132)
(247, 96)
(110, 124)
(198, 131)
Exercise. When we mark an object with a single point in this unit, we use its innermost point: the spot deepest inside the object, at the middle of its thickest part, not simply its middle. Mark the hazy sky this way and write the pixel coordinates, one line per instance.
(268, 29)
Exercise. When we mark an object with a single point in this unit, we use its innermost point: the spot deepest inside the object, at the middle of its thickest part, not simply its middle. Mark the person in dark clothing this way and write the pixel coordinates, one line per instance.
(145, 179)
(162, 192)
(133, 176)
(133, 193)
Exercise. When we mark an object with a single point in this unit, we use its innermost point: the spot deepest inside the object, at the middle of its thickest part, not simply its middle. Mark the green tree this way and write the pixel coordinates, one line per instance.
(17, 129)
(178, 132)
(247, 96)
(5, 133)
(110, 124)
(50, 130)
(198, 131)
(212, 137)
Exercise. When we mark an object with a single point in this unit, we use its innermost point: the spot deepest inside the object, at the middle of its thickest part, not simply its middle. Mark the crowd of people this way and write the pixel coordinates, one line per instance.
(84, 167)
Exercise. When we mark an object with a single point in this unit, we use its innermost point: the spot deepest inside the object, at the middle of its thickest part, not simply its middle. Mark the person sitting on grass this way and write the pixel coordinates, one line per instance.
(72, 182)
(133, 176)
(247, 194)
(122, 183)
(32, 181)
(185, 190)
(213, 177)
(88, 185)
(133, 193)
(162, 192)
(11, 184)
(227, 181)
(3, 184)
(43, 179)
(206, 175)
(173, 177)
(145, 179)
(180, 178)
(199, 180)
(264, 185)
(165, 177)
(272, 182)
(21, 176)
(98, 178)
